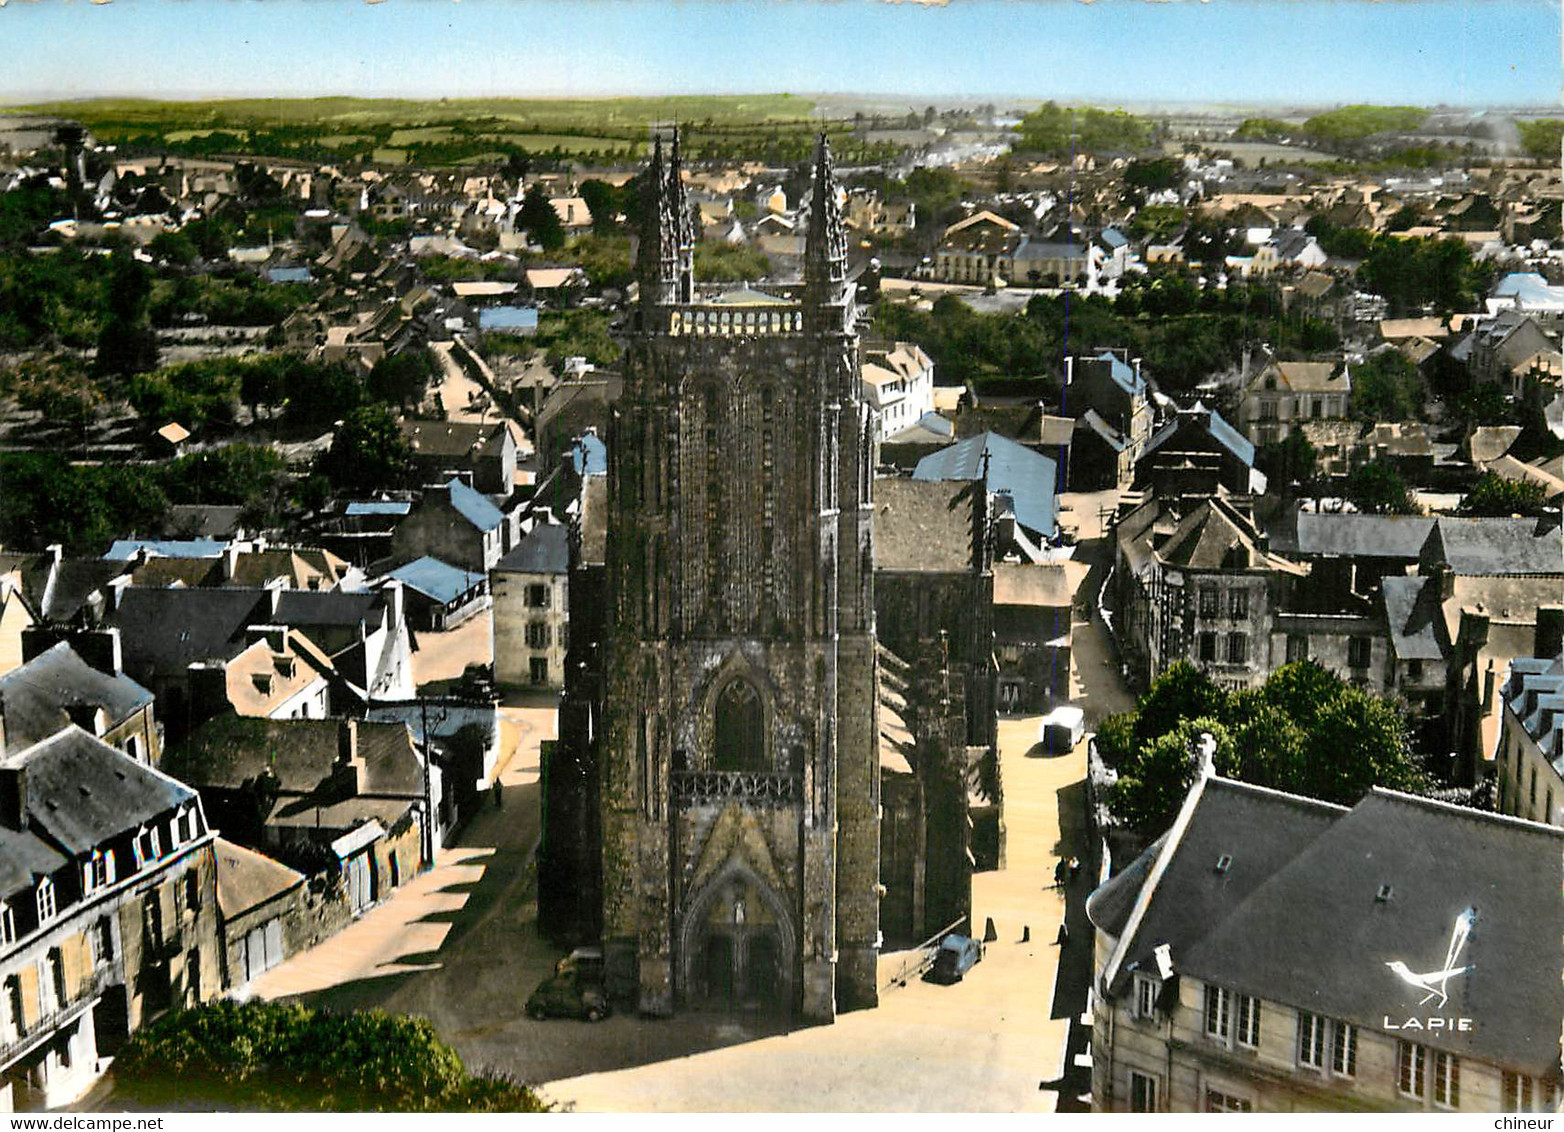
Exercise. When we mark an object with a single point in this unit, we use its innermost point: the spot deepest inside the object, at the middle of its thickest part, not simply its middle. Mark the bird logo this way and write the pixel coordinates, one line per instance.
(1436, 983)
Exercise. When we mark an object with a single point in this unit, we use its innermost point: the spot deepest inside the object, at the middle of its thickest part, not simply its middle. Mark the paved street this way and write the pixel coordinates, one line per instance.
(459, 945)
(457, 390)
(444, 656)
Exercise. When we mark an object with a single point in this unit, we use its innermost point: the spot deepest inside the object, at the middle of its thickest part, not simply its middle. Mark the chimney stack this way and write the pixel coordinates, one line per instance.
(350, 765)
(1550, 631)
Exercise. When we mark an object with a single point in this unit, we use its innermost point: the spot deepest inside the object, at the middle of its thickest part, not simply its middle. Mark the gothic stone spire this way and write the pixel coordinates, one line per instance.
(825, 250)
(657, 256)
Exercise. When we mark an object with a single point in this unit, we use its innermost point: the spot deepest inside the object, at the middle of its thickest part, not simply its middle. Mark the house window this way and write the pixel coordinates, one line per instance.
(537, 596)
(45, 900)
(537, 635)
(1208, 601)
(1237, 648)
(148, 845)
(1531, 797)
(1238, 603)
(1248, 1021)
(1344, 1051)
(1360, 651)
(152, 918)
(1297, 647)
(1208, 647)
(7, 923)
(1311, 1040)
(193, 891)
(1447, 1080)
(100, 941)
(1145, 997)
(1316, 408)
(1519, 1092)
(1414, 670)
(1410, 1062)
(538, 669)
(1219, 1008)
(1225, 1102)
(1143, 1092)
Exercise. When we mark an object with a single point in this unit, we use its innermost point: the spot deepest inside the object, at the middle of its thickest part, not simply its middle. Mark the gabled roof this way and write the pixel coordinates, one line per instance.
(1027, 477)
(1477, 547)
(1414, 617)
(545, 550)
(1210, 422)
(1316, 902)
(39, 696)
(1307, 377)
(473, 506)
(452, 438)
(1534, 691)
(227, 751)
(1214, 536)
(1350, 534)
(163, 632)
(246, 879)
(437, 580)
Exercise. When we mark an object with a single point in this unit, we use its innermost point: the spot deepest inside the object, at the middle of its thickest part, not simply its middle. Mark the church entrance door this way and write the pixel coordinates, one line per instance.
(719, 956)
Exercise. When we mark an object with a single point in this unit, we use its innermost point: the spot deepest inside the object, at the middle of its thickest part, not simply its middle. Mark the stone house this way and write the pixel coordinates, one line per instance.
(532, 610)
(1196, 1009)
(440, 596)
(265, 909)
(898, 381)
(1284, 394)
(456, 524)
(1529, 765)
(483, 454)
(978, 249)
(1197, 453)
(57, 687)
(108, 911)
(1032, 615)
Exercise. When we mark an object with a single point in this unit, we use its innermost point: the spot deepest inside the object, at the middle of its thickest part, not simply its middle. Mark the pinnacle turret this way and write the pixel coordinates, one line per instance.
(825, 250)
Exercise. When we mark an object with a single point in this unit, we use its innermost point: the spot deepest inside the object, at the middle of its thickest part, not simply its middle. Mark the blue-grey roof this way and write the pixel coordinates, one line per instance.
(435, 579)
(1123, 374)
(590, 456)
(474, 506)
(379, 507)
(508, 318)
(1114, 238)
(1027, 477)
(289, 275)
(545, 550)
(125, 548)
(1222, 432)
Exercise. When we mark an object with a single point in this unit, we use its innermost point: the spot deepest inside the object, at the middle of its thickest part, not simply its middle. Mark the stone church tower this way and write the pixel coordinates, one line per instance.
(740, 774)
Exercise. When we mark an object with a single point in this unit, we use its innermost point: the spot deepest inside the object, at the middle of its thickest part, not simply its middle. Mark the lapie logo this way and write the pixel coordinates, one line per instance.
(1436, 984)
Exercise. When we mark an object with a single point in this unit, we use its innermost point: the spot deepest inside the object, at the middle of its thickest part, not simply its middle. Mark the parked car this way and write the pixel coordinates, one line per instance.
(1061, 729)
(570, 994)
(955, 957)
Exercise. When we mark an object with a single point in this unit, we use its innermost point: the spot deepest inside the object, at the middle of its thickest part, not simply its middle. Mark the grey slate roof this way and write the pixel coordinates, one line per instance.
(545, 550)
(1415, 617)
(1496, 546)
(1026, 476)
(1350, 535)
(37, 695)
(1296, 916)
(1211, 422)
(1534, 691)
(165, 631)
(922, 526)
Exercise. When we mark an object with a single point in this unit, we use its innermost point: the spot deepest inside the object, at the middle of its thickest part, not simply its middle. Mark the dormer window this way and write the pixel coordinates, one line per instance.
(148, 845)
(98, 871)
(7, 923)
(45, 897)
(1147, 988)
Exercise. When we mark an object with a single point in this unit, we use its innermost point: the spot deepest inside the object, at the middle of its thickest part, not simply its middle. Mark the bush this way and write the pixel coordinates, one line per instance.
(286, 1057)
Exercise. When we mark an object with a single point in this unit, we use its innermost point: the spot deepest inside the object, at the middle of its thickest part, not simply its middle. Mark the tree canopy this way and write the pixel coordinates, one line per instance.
(287, 1057)
(1493, 495)
(1304, 731)
(1386, 387)
(1376, 488)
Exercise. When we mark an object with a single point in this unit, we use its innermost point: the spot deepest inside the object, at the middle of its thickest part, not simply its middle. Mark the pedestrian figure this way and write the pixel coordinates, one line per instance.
(1059, 873)
(498, 802)
(1075, 867)
(1064, 934)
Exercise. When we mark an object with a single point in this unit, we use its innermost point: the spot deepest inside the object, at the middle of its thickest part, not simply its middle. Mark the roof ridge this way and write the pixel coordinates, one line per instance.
(1303, 799)
(1465, 811)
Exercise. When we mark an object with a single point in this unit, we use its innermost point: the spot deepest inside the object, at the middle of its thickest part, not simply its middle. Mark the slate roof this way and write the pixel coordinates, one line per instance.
(1209, 421)
(508, 318)
(1477, 547)
(589, 455)
(306, 607)
(1027, 477)
(1350, 535)
(164, 631)
(1534, 691)
(1414, 616)
(594, 521)
(473, 506)
(544, 550)
(448, 439)
(75, 581)
(123, 549)
(246, 879)
(1296, 917)
(1214, 536)
(922, 525)
(82, 792)
(226, 751)
(1123, 374)
(379, 507)
(437, 580)
(37, 695)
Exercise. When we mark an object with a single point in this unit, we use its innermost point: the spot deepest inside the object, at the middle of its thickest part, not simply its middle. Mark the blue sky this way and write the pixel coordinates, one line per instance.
(1297, 51)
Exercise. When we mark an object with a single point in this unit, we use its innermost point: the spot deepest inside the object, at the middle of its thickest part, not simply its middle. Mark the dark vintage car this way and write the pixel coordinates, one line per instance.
(955, 956)
(569, 994)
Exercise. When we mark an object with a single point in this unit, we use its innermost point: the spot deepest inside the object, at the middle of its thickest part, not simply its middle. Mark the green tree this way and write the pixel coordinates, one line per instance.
(1288, 462)
(1386, 387)
(1493, 495)
(402, 379)
(369, 452)
(538, 218)
(1376, 488)
(602, 201)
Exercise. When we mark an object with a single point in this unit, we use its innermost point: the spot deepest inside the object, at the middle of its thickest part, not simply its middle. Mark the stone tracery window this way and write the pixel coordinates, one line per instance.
(738, 730)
